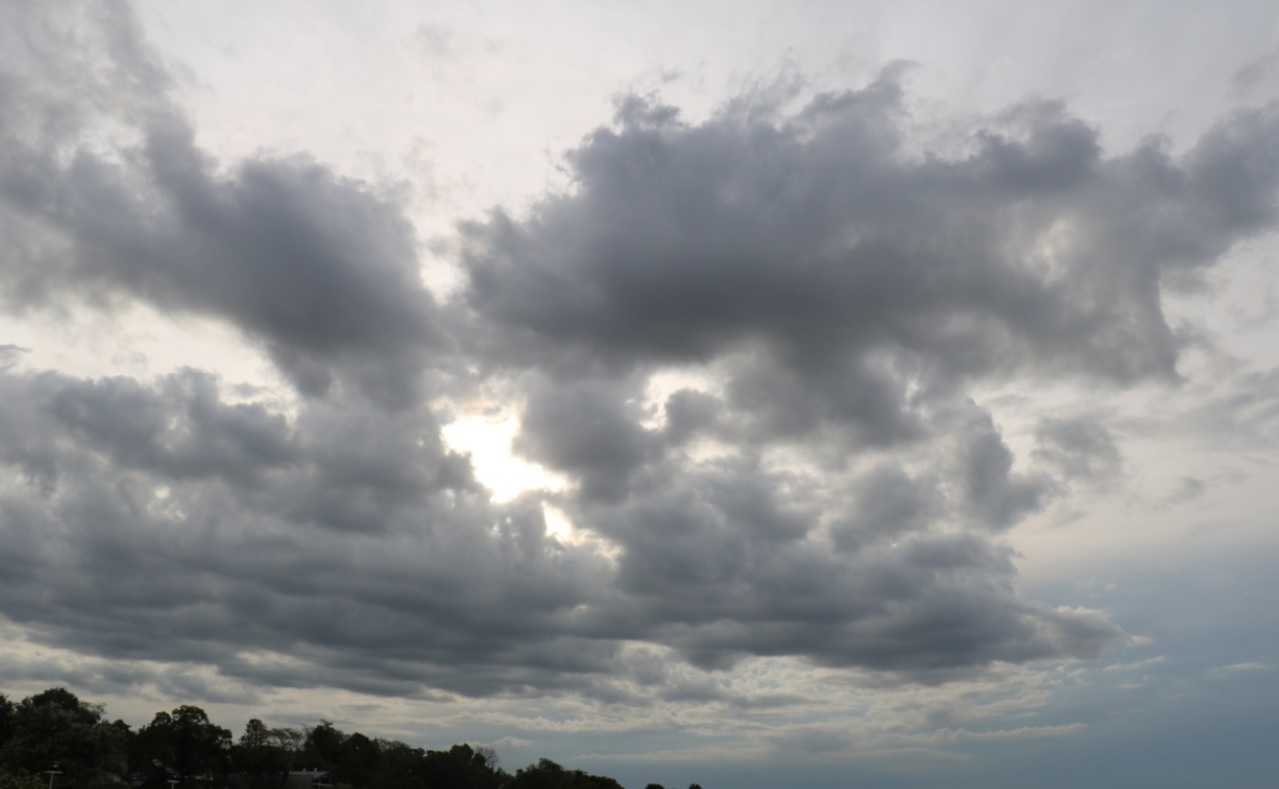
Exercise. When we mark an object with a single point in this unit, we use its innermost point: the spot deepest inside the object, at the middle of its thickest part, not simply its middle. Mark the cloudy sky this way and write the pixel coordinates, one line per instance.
(748, 393)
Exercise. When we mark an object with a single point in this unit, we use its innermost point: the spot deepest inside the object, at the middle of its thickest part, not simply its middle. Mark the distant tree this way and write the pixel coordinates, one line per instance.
(463, 767)
(56, 730)
(546, 774)
(256, 734)
(489, 754)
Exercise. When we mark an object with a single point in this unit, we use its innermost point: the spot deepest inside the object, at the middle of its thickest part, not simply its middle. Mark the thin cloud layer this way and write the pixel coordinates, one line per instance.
(819, 483)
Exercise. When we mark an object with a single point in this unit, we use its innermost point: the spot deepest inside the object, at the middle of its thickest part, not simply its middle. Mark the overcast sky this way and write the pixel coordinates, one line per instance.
(756, 394)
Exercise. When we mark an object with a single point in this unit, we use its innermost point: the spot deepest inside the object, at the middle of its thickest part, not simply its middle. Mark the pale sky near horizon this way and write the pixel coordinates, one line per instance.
(751, 394)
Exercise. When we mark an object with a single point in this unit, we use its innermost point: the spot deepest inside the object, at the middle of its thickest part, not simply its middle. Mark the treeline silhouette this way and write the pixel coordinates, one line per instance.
(55, 739)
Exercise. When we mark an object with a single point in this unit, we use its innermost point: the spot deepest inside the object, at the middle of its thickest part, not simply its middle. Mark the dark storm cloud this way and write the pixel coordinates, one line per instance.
(320, 269)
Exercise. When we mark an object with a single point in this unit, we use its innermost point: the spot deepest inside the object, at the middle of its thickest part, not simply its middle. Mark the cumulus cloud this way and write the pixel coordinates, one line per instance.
(826, 237)
(588, 429)
(107, 198)
(824, 487)
(161, 522)
(995, 496)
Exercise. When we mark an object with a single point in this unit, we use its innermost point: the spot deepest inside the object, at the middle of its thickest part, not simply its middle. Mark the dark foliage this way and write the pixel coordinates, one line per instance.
(55, 730)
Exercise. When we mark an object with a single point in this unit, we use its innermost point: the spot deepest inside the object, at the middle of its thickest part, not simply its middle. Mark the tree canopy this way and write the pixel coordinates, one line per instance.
(56, 731)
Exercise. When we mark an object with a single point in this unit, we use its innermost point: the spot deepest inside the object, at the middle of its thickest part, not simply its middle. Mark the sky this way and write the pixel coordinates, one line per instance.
(755, 394)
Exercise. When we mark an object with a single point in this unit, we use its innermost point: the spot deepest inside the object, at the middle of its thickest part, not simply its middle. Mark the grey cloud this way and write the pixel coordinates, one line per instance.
(591, 430)
(1189, 490)
(723, 559)
(1232, 172)
(100, 676)
(175, 527)
(9, 355)
(180, 682)
(352, 542)
(689, 412)
(1079, 449)
(812, 740)
(184, 430)
(1256, 72)
(846, 402)
(840, 289)
(835, 288)
(887, 503)
(1240, 410)
(320, 269)
(825, 237)
(995, 495)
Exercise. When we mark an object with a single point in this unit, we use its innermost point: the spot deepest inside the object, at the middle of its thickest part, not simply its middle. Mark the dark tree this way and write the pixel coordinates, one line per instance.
(463, 767)
(401, 766)
(358, 760)
(7, 712)
(181, 745)
(10, 780)
(546, 774)
(323, 747)
(56, 728)
(256, 734)
(258, 760)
